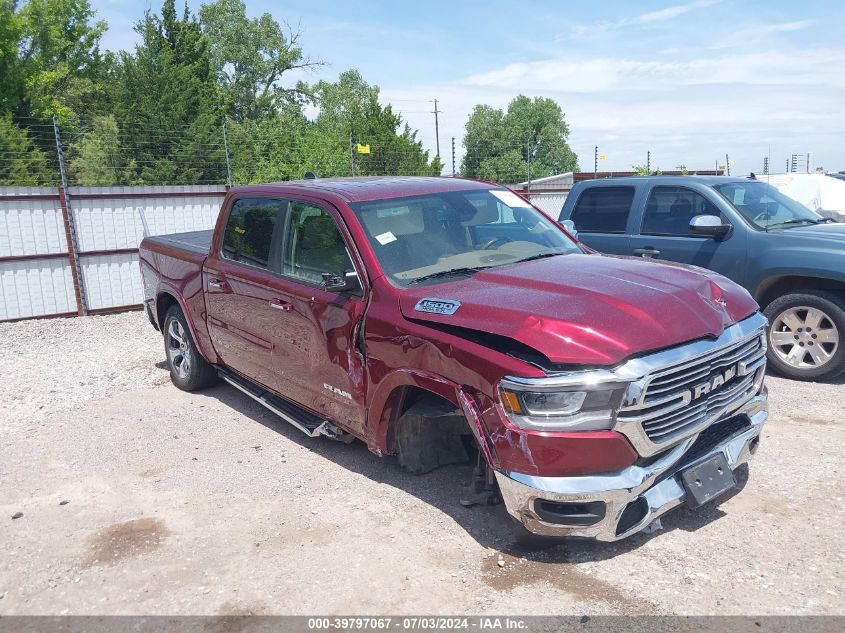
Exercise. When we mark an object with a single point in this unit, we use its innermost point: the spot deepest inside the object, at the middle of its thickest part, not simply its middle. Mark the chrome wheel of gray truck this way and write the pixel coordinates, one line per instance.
(805, 335)
(188, 369)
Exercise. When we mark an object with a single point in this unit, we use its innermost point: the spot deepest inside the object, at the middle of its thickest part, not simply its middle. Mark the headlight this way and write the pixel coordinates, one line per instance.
(570, 408)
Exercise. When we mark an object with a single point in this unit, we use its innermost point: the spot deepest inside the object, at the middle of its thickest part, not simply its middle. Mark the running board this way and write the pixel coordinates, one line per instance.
(311, 425)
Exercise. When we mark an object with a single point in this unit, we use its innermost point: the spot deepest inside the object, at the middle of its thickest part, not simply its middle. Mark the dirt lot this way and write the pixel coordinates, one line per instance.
(139, 498)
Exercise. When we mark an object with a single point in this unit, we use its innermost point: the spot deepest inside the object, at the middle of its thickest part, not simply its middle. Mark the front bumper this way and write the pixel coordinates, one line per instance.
(646, 492)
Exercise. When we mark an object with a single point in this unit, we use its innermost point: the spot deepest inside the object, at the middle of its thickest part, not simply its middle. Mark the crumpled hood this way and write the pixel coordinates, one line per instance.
(589, 309)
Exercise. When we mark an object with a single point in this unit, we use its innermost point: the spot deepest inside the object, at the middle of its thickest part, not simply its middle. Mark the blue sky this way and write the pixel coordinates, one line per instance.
(689, 81)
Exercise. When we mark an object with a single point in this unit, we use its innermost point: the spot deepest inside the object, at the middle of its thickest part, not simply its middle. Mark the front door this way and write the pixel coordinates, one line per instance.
(663, 233)
(315, 353)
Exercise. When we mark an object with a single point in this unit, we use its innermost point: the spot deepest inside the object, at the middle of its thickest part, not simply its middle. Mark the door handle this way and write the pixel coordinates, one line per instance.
(647, 252)
(217, 284)
(281, 304)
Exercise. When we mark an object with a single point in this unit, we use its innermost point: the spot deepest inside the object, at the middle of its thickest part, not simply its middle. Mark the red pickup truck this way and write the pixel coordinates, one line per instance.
(439, 319)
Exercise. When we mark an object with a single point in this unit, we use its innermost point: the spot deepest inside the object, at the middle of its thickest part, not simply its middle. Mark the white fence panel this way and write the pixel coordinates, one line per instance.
(111, 280)
(115, 222)
(105, 219)
(551, 203)
(195, 214)
(30, 227)
(38, 287)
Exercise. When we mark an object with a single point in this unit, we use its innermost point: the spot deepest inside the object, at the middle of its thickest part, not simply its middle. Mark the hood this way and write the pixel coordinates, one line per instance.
(831, 235)
(588, 309)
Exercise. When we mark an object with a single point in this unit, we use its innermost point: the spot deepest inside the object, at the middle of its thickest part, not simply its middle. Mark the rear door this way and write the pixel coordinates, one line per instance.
(237, 278)
(663, 233)
(601, 215)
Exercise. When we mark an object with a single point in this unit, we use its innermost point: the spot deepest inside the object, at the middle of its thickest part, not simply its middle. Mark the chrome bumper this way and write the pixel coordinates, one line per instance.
(619, 489)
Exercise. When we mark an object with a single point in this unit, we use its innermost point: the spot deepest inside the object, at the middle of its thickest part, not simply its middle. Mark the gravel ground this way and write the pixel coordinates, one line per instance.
(138, 498)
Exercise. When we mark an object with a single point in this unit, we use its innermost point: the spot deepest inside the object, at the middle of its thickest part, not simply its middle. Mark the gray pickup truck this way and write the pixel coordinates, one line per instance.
(789, 258)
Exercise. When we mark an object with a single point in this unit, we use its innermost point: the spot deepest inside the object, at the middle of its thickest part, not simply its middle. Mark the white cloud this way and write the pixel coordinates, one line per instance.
(689, 111)
(652, 17)
(602, 74)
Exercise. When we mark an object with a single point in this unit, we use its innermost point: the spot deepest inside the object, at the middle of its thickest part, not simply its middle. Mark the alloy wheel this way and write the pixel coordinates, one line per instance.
(178, 349)
(804, 337)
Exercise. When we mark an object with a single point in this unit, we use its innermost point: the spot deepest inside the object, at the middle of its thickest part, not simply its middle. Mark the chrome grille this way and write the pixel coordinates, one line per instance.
(681, 399)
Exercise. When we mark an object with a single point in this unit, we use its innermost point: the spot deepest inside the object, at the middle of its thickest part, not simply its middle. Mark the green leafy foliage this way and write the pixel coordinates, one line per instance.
(643, 170)
(251, 57)
(498, 144)
(50, 62)
(98, 159)
(168, 86)
(288, 144)
(21, 161)
(156, 114)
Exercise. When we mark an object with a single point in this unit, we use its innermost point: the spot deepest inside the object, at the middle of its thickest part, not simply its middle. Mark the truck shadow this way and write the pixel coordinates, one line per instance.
(443, 488)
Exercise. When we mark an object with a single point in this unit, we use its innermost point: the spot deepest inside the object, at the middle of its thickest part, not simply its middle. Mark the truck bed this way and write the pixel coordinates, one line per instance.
(197, 242)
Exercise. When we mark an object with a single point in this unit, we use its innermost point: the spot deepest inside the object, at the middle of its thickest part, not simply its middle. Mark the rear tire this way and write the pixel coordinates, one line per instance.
(188, 369)
(807, 335)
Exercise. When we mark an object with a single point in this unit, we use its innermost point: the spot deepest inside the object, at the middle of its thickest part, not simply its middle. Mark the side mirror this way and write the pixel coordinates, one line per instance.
(710, 225)
(569, 225)
(341, 282)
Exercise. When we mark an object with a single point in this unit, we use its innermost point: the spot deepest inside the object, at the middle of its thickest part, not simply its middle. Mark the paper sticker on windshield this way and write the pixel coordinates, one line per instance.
(437, 306)
(510, 198)
(386, 238)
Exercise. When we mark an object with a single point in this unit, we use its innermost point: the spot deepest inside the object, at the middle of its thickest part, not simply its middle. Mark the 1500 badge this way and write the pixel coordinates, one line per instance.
(437, 306)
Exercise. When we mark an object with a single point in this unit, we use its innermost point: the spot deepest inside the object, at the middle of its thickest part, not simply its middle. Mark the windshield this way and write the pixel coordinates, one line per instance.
(765, 206)
(457, 233)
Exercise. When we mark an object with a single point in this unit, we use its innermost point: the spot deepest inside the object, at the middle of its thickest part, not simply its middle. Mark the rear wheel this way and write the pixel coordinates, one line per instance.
(806, 332)
(188, 369)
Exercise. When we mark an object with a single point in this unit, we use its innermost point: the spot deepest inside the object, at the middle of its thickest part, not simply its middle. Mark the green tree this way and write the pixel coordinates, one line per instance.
(21, 161)
(270, 149)
(251, 58)
(643, 170)
(498, 144)
(50, 62)
(167, 103)
(350, 112)
(97, 158)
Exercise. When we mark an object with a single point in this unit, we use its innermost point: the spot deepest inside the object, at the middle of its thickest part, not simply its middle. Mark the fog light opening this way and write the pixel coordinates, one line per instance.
(634, 512)
(568, 513)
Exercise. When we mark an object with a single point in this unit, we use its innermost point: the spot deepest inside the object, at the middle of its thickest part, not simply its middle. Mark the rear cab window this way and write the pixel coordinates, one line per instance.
(603, 209)
(252, 232)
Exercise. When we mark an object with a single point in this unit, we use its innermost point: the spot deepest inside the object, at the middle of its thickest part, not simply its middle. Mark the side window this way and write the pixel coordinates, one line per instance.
(603, 209)
(670, 209)
(248, 236)
(314, 245)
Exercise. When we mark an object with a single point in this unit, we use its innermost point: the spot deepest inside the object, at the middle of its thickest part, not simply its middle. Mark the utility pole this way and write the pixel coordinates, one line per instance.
(648, 162)
(351, 155)
(437, 127)
(596, 161)
(528, 187)
(728, 164)
(70, 225)
(453, 157)
(808, 162)
(226, 149)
